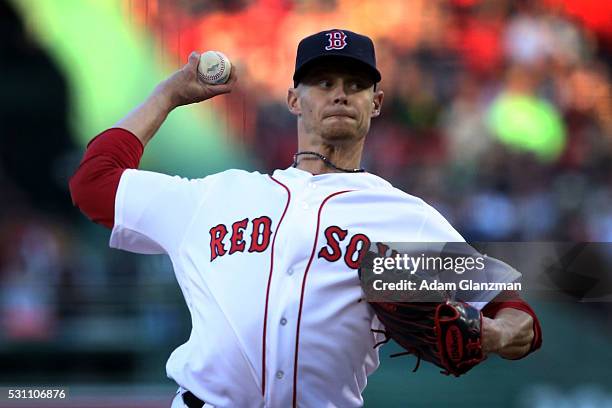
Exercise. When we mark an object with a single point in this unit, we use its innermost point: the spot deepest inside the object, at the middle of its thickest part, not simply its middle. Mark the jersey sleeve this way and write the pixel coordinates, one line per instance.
(436, 228)
(153, 210)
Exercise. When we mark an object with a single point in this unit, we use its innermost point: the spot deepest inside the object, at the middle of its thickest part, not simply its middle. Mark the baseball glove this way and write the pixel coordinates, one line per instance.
(445, 332)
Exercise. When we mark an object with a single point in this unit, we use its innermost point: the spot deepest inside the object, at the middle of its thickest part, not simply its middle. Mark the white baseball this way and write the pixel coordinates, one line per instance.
(214, 68)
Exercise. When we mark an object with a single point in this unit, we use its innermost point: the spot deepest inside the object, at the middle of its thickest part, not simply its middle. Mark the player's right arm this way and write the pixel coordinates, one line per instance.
(181, 88)
(94, 185)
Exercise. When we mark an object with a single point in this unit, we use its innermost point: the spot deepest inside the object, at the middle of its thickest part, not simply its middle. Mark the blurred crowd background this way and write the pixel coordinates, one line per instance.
(498, 113)
(501, 117)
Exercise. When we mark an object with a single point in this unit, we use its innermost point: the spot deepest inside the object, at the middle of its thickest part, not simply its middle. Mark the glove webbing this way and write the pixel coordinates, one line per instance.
(414, 351)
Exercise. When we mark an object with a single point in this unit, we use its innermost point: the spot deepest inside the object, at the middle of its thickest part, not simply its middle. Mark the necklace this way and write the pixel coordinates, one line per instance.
(327, 162)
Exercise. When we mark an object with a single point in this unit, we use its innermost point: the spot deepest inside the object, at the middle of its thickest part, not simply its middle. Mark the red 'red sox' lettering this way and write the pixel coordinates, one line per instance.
(259, 238)
(261, 232)
(216, 241)
(333, 235)
(358, 246)
(353, 248)
(262, 229)
(237, 241)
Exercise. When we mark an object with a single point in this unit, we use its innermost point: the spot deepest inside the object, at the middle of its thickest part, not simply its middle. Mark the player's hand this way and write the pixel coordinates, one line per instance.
(510, 334)
(183, 87)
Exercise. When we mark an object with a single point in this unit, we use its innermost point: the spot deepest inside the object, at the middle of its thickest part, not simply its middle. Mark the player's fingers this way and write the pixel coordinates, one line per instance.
(515, 352)
(194, 59)
(222, 89)
(491, 335)
(233, 76)
(229, 85)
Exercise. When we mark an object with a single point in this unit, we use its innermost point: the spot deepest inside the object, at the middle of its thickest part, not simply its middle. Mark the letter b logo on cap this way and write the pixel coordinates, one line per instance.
(337, 40)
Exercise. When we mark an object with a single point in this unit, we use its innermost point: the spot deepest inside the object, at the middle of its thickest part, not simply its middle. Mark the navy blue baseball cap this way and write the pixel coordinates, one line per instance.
(355, 48)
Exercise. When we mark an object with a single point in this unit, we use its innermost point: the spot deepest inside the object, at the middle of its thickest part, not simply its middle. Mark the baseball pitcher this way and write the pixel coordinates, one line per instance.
(269, 263)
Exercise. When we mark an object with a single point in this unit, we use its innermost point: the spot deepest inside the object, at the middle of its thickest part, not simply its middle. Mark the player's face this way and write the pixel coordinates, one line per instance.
(335, 102)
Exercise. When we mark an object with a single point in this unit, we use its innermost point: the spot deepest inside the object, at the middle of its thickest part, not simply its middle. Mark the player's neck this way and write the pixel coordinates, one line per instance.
(314, 166)
(346, 157)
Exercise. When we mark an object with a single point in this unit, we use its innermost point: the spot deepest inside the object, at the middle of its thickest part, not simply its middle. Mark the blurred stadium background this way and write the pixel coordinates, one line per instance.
(499, 113)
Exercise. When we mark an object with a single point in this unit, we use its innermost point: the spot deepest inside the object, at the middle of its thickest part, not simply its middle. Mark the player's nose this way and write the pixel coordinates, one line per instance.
(340, 95)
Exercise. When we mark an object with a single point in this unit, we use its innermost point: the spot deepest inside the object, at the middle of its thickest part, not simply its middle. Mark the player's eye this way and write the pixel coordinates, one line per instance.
(325, 83)
(357, 85)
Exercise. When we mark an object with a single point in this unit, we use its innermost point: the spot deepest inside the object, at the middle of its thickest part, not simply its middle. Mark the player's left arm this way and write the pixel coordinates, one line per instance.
(511, 328)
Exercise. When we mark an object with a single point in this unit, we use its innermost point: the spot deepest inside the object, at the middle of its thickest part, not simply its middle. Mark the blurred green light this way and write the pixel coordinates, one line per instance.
(526, 123)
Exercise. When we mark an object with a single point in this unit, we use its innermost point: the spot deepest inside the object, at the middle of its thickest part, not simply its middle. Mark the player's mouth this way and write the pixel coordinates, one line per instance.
(339, 115)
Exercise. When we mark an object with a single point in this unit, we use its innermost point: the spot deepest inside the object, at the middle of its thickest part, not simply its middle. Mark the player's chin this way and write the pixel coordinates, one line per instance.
(340, 132)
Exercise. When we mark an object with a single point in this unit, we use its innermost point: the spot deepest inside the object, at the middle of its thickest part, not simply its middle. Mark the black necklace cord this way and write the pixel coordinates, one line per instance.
(327, 162)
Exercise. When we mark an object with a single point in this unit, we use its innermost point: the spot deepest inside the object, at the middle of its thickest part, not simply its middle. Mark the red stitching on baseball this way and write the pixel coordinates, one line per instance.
(218, 75)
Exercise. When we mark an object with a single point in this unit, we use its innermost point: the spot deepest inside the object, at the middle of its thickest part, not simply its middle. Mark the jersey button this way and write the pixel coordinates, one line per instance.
(283, 321)
(290, 271)
(305, 206)
(312, 185)
(280, 375)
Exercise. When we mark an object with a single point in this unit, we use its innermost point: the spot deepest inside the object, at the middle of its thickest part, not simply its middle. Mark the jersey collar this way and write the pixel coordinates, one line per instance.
(361, 181)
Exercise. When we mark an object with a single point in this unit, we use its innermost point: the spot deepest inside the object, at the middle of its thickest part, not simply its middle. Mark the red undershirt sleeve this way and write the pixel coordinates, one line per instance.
(512, 300)
(94, 185)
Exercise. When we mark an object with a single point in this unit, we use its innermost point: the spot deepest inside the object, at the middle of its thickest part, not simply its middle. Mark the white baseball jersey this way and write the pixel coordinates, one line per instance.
(268, 268)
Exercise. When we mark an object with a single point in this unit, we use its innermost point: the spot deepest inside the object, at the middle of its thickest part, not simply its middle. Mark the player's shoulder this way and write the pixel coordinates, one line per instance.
(402, 200)
(391, 193)
(238, 174)
(416, 202)
(231, 177)
(412, 199)
(434, 225)
(412, 212)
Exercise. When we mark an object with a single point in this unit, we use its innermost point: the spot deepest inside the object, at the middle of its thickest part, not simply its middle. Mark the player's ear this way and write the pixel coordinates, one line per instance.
(292, 101)
(377, 103)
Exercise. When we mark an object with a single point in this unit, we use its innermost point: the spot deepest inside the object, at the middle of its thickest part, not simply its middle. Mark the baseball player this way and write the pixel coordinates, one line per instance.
(268, 263)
